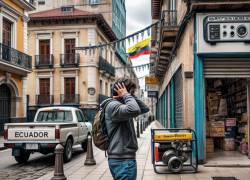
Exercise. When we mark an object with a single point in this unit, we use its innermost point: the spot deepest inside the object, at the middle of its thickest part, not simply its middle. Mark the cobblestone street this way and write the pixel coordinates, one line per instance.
(38, 166)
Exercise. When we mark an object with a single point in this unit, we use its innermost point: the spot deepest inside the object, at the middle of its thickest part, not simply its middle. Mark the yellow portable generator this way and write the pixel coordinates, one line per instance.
(174, 150)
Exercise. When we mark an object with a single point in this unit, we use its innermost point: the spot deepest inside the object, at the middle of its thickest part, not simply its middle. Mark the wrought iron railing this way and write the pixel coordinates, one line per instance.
(106, 66)
(69, 60)
(44, 99)
(44, 61)
(170, 18)
(102, 98)
(14, 57)
(70, 99)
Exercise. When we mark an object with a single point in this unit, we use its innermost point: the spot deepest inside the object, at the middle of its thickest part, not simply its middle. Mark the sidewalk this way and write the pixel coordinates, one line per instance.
(76, 170)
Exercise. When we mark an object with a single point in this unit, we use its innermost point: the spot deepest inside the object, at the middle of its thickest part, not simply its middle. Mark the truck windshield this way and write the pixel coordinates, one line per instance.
(54, 116)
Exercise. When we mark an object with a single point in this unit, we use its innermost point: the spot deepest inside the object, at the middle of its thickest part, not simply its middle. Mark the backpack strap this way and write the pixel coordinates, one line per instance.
(114, 131)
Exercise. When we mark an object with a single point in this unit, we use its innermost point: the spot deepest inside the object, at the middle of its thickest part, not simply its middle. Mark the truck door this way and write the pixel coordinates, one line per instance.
(82, 130)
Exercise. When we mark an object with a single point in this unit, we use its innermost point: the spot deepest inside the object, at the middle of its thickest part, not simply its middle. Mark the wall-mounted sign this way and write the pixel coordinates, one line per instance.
(151, 80)
(151, 87)
(153, 94)
(91, 91)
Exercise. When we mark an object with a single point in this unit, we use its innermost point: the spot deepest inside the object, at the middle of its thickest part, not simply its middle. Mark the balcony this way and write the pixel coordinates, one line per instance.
(70, 99)
(14, 61)
(167, 35)
(102, 98)
(70, 60)
(105, 66)
(44, 99)
(44, 61)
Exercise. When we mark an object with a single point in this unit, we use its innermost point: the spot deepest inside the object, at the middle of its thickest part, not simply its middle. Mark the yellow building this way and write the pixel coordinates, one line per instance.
(15, 64)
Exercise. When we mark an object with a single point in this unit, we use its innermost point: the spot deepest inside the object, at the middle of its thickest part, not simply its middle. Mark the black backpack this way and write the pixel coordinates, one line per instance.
(100, 132)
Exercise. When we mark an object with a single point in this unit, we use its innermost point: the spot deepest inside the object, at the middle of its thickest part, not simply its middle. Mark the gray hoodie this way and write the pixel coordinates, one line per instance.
(119, 121)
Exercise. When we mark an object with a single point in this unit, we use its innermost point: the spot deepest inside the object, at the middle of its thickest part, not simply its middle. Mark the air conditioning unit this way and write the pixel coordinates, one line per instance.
(226, 28)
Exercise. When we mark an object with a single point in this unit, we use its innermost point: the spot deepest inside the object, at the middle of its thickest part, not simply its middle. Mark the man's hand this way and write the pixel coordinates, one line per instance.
(121, 90)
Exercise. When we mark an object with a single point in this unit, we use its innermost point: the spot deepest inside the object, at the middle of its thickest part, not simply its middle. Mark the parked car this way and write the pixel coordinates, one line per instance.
(51, 126)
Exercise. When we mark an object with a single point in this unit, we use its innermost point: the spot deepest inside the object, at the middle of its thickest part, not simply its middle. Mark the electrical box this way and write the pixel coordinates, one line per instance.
(227, 28)
(218, 33)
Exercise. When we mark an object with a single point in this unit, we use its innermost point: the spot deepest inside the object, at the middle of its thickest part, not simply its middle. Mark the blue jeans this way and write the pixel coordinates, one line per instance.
(123, 169)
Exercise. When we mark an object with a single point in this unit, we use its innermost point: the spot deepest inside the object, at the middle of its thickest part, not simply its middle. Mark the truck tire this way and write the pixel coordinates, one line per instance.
(23, 158)
(68, 150)
(84, 146)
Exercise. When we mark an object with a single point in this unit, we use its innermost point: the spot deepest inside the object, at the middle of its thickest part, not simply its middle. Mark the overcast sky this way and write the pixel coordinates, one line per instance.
(138, 17)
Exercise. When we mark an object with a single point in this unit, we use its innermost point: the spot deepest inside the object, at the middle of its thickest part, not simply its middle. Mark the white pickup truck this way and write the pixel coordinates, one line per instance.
(51, 126)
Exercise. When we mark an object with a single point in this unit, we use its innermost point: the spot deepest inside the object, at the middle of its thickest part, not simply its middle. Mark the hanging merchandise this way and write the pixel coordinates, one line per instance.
(85, 52)
(133, 39)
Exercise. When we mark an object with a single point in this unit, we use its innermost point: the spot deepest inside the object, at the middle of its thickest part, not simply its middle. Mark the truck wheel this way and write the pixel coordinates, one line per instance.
(84, 146)
(23, 158)
(68, 150)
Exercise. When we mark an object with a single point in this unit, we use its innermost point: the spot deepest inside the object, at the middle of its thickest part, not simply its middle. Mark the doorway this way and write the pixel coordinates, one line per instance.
(5, 106)
(226, 102)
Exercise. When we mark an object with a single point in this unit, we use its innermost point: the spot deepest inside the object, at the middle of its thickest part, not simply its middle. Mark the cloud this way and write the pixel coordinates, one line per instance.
(138, 14)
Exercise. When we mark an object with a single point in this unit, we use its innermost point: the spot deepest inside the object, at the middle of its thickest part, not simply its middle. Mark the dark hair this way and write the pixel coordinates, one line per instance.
(129, 84)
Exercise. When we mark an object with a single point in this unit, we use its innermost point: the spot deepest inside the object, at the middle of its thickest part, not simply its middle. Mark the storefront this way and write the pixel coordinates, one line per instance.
(222, 83)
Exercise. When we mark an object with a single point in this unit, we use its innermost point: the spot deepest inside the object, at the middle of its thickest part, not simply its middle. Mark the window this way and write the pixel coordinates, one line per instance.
(69, 86)
(80, 116)
(106, 89)
(111, 91)
(111, 57)
(93, 2)
(172, 4)
(44, 86)
(69, 51)
(44, 51)
(41, 2)
(54, 116)
(101, 87)
(67, 9)
(7, 31)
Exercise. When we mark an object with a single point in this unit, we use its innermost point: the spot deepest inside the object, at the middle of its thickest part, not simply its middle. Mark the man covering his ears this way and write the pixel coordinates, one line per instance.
(119, 114)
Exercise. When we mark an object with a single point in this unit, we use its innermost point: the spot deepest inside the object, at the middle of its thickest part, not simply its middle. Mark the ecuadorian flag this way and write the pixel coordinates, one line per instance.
(141, 48)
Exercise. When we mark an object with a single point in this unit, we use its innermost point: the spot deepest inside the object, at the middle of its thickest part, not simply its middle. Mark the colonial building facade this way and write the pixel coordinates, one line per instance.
(113, 11)
(202, 61)
(15, 63)
(62, 75)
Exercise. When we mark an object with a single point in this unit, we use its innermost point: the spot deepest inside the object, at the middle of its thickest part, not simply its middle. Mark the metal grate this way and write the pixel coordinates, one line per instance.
(224, 178)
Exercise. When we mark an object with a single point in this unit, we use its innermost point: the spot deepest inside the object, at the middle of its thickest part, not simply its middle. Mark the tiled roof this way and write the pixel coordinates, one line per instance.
(57, 13)
(50, 16)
